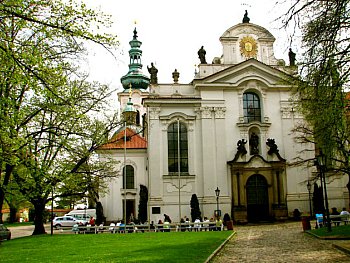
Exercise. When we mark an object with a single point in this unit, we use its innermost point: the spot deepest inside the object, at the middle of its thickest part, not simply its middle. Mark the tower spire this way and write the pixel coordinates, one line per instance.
(135, 76)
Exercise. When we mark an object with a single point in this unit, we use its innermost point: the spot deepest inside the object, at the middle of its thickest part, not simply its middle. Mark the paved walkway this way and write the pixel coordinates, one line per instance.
(279, 243)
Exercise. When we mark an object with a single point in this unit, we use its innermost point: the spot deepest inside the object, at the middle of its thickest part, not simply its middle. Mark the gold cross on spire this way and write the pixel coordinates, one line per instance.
(130, 90)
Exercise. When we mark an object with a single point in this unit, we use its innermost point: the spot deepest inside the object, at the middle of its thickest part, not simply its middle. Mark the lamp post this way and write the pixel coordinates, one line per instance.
(309, 189)
(321, 163)
(51, 226)
(217, 193)
(179, 167)
(129, 114)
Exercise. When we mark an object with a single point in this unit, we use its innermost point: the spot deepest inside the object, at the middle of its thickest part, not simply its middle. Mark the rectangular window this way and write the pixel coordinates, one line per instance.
(156, 210)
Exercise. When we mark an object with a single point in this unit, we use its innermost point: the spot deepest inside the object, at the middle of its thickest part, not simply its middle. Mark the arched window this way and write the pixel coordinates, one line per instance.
(130, 181)
(251, 107)
(174, 152)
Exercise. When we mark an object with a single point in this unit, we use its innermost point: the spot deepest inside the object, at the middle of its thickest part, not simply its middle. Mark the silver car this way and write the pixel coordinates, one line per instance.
(64, 221)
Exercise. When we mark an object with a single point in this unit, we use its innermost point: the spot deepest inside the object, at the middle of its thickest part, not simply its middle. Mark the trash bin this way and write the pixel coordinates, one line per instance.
(229, 225)
(305, 220)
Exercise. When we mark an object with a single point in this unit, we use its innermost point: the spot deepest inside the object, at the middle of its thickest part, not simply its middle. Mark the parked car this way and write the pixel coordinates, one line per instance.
(83, 219)
(65, 221)
(5, 233)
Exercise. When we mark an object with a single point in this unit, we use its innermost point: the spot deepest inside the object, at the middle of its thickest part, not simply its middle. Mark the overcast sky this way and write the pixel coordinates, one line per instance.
(171, 33)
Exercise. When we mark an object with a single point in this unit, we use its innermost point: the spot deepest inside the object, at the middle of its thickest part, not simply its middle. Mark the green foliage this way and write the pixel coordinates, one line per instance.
(195, 210)
(324, 76)
(143, 247)
(142, 217)
(47, 108)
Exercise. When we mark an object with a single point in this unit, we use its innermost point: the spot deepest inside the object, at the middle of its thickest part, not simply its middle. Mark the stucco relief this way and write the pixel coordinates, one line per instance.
(154, 113)
(190, 126)
(172, 187)
(206, 112)
(219, 112)
(288, 110)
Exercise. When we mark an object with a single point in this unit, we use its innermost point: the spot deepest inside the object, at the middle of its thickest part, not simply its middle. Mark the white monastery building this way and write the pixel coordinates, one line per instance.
(229, 129)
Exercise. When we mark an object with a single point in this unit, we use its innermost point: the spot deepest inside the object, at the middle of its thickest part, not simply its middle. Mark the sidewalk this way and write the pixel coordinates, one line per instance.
(284, 242)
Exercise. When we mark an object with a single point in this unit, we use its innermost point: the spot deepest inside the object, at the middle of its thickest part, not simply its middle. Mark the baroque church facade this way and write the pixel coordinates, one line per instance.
(229, 129)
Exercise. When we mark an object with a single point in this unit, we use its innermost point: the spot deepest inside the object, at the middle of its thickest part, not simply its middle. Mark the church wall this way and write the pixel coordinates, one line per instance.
(212, 110)
(112, 202)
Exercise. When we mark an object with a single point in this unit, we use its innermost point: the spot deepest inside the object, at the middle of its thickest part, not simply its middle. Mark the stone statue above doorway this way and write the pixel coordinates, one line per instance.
(241, 150)
(254, 143)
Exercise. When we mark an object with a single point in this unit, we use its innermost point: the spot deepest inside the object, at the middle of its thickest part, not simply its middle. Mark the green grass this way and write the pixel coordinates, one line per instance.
(339, 232)
(138, 247)
(18, 224)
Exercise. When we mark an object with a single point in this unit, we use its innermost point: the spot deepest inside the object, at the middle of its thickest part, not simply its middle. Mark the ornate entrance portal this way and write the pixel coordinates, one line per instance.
(257, 198)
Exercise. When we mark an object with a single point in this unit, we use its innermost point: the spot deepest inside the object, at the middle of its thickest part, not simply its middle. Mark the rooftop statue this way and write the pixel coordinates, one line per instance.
(246, 19)
(153, 71)
(201, 55)
(176, 76)
(291, 55)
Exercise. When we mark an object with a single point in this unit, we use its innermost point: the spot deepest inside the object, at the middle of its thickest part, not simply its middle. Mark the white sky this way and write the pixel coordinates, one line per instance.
(171, 33)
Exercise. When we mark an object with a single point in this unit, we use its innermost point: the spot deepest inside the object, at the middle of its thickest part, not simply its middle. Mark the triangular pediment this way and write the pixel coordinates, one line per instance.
(248, 70)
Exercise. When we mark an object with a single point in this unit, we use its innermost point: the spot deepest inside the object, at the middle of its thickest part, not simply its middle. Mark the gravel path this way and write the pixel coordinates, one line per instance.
(279, 243)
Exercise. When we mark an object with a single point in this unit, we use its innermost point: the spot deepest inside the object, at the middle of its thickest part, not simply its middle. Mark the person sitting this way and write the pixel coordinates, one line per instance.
(166, 226)
(218, 224)
(336, 220)
(100, 228)
(160, 225)
(345, 215)
(344, 212)
(75, 229)
(92, 221)
(112, 228)
(121, 227)
(197, 224)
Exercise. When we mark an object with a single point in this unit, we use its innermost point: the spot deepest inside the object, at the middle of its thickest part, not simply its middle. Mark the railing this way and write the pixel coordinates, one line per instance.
(137, 228)
(335, 219)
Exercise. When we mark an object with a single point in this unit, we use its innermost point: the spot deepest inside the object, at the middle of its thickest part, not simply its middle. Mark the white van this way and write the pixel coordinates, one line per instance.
(83, 214)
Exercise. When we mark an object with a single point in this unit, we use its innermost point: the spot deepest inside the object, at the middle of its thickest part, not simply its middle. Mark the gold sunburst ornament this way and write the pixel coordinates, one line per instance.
(248, 47)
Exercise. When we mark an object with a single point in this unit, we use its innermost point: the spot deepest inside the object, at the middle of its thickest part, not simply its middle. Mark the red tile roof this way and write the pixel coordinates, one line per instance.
(133, 141)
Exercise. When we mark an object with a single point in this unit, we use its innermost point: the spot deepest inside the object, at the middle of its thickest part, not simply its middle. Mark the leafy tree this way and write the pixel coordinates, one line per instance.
(195, 210)
(49, 132)
(324, 76)
(142, 217)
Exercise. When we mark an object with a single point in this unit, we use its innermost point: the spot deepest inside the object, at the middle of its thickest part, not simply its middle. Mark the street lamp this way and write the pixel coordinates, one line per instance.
(321, 164)
(129, 114)
(309, 189)
(217, 193)
(51, 226)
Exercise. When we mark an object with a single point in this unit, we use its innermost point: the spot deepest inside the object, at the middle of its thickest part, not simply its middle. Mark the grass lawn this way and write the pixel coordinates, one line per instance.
(339, 232)
(136, 247)
(19, 224)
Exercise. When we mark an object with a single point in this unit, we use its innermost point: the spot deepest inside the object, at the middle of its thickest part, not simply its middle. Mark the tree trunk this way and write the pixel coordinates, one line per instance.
(348, 186)
(8, 172)
(13, 214)
(39, 206)
(2, 198)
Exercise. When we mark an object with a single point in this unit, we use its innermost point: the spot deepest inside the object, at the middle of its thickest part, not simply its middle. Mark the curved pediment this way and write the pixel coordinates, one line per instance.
(247, 28)
(256, 161)
(246, 40)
